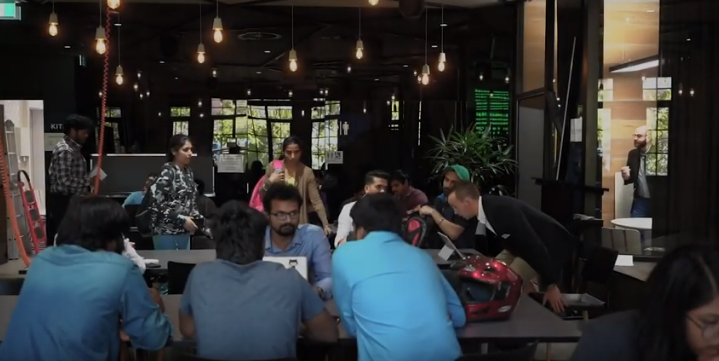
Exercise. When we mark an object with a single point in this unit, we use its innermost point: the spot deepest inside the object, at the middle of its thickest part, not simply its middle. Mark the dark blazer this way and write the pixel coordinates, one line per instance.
(633, 162)
(529, 234)
(612, 337)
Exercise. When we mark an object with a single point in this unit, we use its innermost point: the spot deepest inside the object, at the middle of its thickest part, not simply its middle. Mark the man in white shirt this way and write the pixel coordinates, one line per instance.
(375, 181)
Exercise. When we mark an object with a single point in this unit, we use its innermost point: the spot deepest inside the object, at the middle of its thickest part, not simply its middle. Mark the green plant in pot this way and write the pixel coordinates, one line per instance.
(487, 157)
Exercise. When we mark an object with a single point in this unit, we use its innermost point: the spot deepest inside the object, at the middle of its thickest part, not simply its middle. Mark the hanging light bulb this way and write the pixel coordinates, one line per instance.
(135, 86)
(373, 2)
(113, 4)
(481, 76)
(147, 93)
(289, 93)
(99, 94)
(214, 73)
(142, 96)
(419, 79)
(100, 40)
(217, 27)
(249, 91)
(691, 92)
(506, 79)
(442, 60)
(425, 74)
(360, 49)
(349, 68)
(199, 103)
(139, 74)
(201, 53)
(53, 23)
(293, 59)
(119, 75)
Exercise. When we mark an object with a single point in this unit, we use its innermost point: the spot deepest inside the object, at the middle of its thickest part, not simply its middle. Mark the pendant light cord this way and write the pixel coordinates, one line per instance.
(292, 15)
(217, 8)
(119, 31)
(441, 29)
(426, 16)
(200, 22)
(359, 23)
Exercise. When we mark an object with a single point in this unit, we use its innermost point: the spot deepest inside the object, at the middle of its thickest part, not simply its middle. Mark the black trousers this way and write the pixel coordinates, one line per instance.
(56, 208)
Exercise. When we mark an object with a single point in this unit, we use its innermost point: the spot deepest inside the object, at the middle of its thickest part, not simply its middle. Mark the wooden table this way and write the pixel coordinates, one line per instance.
(641, 224)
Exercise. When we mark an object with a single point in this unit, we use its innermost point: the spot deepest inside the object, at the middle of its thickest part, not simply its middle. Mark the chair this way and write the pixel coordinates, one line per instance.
(627, 241)
(523, 354)
(414, 230)
(188, 357)
(177, 275)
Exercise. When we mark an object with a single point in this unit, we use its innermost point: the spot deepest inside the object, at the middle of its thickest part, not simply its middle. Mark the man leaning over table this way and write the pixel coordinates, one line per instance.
(239, 307)
(79, 295)
(390, 295)
(285, 237)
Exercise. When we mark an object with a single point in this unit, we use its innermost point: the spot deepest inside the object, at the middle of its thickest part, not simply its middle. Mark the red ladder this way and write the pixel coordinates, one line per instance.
(32, 212)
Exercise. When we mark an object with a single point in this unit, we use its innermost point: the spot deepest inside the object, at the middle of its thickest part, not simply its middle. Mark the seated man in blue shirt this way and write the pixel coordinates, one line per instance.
(135, 198)
(285, 237)
(239, 307)
(94, 292)
(391, 295)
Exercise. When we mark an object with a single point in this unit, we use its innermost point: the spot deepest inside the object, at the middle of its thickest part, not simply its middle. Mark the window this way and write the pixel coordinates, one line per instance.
(325, 131)
(180, 123)
(658, 156)
(659, 89)
(394, 108)
(606, 90)
(112, 112)
(113, 118)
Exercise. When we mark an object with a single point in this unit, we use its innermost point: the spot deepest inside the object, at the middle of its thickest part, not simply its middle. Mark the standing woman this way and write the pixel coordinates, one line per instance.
(679, 318)
(174, 198)
(294, 173)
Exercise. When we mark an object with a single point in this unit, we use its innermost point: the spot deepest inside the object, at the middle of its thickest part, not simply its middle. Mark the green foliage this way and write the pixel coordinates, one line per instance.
(487, 157)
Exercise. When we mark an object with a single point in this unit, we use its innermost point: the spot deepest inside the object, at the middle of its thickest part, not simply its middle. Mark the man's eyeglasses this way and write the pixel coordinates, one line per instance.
(710, 330)
(282, 216)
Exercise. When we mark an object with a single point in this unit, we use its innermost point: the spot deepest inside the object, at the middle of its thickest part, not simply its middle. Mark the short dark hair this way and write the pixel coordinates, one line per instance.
(176, 143)
(91, 222)
(371, 175)
(77, 122)
(282, 192)
(200, 186)
(399, 176)
(239, 231)
(465, 189)
(377, 212)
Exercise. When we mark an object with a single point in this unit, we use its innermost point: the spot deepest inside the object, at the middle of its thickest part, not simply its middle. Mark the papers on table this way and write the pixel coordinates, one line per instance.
(624, 260)
(93, 173)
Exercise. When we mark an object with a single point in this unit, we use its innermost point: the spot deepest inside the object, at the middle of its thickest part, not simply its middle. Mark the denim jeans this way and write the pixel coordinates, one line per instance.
(164, 242)
(641, 207)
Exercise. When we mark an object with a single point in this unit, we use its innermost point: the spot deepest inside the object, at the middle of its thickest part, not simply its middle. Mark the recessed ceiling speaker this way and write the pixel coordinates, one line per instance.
(411, 9)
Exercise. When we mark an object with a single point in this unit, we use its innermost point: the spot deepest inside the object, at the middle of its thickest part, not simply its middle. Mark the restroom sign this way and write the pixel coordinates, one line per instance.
(335, 157)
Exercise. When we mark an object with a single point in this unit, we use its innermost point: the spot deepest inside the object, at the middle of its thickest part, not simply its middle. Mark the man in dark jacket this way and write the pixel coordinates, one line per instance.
(535, 244)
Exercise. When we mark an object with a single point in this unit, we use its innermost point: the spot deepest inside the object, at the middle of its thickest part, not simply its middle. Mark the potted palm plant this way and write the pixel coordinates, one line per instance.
(487, 157)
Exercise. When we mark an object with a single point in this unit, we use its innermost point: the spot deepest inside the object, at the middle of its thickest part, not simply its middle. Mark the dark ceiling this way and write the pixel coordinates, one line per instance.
(163, 37)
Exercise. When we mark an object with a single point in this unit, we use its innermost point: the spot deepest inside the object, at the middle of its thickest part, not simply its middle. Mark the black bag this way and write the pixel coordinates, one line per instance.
(143, 217)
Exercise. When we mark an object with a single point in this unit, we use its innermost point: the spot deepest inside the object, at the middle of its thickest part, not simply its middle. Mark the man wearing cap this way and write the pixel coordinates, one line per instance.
(458, 229)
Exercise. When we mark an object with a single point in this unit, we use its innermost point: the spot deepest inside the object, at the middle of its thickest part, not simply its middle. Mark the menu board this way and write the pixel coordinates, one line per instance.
(491, 108)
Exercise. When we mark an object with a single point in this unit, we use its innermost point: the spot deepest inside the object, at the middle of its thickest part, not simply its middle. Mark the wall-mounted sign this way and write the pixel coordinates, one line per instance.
(51, 140)
(336, 157)
(491, 108)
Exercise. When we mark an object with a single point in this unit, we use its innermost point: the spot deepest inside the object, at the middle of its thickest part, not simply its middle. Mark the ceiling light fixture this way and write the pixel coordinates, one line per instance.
(373, 2)
(113, 4)
(214, 73)
(119, 75)
(636, 65)
(289, 93)
(52, 22)
(135, 86)
(249, 91)
(100, 40)
(359, 53)
(349, 68)
(217, 24)
(293, 53)
(441, 65)
(201, 46)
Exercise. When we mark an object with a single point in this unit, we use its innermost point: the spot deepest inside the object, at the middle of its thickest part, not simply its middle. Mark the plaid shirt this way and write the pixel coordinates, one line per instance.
(68, 168)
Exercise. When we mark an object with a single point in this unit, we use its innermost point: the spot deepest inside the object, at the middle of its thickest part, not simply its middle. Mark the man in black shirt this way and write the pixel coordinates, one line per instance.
(458, 229)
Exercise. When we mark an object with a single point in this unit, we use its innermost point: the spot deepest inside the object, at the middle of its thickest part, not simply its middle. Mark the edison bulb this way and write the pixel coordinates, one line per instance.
(100, 46)
(373, 2)
(135, 86)
(113, 4)
(217, 35)
(200, 58)
(119, 79)
(440, 66)
(52, 30)
(359, 54)
(425, 79)
(293, 65)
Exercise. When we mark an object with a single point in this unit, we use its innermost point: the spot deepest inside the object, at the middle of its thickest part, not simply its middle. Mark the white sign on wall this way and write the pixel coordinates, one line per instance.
(336, 157)
(231, 163)
(51, 140)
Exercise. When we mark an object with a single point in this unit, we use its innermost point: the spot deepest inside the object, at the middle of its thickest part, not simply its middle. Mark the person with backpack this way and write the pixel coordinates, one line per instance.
(290, 170)
(172, 202)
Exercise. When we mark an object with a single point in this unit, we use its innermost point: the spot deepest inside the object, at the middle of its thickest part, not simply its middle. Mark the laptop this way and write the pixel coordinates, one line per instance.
(298, 263)
(448, 242)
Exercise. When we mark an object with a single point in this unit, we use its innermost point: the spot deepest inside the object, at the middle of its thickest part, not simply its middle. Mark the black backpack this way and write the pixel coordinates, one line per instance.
(143, 217)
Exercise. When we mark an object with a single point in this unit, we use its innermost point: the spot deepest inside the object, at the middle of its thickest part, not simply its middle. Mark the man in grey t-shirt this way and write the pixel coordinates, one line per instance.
(239, 307)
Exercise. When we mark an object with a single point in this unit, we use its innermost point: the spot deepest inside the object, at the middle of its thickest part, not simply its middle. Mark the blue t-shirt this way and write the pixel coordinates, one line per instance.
(71, 305)
(248, 312)
(134, 199)
(395, 300)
